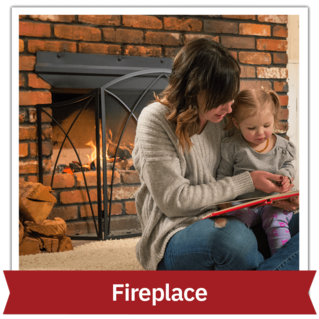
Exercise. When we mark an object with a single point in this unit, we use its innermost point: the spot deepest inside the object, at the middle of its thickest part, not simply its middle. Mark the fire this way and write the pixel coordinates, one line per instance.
(92, 156)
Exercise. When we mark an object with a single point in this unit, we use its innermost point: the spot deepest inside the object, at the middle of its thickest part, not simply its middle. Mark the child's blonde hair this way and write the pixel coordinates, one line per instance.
(248, 102)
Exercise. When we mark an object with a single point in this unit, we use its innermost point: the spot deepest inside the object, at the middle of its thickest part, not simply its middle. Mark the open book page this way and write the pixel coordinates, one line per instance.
(252, 202)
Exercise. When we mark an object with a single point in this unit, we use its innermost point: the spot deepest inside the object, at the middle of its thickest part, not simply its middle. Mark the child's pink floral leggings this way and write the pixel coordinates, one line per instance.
(274, 221)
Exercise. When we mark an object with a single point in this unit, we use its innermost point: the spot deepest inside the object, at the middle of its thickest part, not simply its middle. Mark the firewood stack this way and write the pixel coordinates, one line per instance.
(36, 233)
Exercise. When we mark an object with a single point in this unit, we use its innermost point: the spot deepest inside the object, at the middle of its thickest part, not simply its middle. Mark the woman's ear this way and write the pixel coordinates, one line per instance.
(235, 123)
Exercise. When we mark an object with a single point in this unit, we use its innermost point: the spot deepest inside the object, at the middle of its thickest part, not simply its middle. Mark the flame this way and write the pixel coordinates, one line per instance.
(92, 157)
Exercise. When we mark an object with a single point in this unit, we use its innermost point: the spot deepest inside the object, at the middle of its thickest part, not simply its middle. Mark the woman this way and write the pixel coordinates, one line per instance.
(177, 153)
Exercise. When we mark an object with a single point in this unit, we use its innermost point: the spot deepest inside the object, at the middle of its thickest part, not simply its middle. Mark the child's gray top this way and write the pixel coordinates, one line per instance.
(238, 157)
(176, 185)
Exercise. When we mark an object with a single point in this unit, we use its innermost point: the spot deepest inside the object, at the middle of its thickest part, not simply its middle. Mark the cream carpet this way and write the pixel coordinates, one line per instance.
(117, 254)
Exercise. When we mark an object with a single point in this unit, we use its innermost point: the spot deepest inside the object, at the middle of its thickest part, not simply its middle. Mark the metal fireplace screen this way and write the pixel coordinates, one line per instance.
(117, 105)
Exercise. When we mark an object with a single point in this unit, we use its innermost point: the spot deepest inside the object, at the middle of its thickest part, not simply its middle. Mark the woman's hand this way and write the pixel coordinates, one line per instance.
(289, 205)
(264, 181)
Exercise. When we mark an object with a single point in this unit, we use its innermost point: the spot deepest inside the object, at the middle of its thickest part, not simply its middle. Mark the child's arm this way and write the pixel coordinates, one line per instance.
(288, 168)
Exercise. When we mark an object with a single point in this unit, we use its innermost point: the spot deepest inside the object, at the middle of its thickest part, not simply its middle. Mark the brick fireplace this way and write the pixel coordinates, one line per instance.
(107, 114)
(258, 42)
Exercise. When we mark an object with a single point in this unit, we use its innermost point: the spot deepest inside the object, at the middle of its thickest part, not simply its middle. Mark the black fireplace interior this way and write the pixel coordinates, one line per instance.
(118, 89)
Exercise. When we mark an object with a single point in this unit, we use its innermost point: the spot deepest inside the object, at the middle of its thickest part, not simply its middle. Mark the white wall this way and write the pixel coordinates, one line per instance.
(293, 84)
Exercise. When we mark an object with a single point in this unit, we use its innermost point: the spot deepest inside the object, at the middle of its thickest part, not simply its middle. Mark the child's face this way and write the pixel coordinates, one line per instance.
(257, 129)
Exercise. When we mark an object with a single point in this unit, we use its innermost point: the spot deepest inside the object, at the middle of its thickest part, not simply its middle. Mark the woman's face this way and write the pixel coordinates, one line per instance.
(214, 115)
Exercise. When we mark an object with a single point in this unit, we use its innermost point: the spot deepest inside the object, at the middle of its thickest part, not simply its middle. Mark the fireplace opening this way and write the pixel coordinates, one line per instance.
(93, 132)
(83, 132)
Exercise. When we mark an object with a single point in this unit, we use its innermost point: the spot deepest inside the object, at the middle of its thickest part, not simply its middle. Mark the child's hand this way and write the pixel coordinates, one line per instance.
(285, 184)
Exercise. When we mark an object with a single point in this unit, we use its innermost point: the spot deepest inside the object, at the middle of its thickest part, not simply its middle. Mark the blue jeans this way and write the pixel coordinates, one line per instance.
(205, 245)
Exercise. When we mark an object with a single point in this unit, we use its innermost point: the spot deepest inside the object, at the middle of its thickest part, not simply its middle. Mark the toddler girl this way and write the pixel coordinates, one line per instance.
(256, 147)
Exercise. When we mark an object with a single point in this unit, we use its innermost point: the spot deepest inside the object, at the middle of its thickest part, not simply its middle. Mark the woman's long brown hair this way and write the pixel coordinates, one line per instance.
(201, 65)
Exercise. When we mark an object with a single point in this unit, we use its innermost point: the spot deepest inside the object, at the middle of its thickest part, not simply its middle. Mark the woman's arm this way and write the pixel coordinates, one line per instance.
(226, 165)
(264, 182)
(176, 197)
(162, 168)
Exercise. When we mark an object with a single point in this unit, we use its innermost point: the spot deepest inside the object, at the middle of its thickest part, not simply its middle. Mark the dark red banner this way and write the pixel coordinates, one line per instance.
(159, 292)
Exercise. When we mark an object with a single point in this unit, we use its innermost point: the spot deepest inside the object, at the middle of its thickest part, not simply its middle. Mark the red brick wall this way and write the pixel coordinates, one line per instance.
(258, 42)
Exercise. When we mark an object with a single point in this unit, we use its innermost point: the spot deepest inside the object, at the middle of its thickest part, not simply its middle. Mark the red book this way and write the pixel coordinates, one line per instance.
(261, 201)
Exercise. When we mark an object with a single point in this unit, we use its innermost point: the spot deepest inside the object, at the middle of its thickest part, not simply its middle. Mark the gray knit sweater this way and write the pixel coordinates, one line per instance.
(176, 185)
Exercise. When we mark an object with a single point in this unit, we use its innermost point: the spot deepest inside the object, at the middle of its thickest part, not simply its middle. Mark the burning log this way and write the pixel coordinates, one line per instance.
(122, 152)
(76, 167)
(60, 168)
(113, 159)
(68, 170)
(124, 164)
